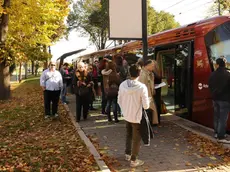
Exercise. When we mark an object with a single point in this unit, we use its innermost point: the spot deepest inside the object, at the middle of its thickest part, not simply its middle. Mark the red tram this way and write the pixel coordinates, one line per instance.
(186, 57)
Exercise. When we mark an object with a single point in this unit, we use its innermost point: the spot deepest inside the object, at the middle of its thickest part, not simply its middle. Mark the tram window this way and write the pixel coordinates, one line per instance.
(217, 42)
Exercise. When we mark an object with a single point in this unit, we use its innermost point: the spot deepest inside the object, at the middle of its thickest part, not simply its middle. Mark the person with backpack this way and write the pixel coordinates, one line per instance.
(65, 77)
(112, 82)
(102, 67)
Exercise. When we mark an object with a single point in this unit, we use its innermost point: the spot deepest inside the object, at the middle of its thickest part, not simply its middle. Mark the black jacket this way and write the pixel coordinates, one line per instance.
(65, 77)
(146, 129)
(219, 84)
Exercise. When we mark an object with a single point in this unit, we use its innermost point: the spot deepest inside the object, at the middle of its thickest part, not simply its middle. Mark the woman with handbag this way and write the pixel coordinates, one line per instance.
(82, 83)
(113, 82)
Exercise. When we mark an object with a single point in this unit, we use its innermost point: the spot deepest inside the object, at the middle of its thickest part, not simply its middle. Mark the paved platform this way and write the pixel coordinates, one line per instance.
(169, 150)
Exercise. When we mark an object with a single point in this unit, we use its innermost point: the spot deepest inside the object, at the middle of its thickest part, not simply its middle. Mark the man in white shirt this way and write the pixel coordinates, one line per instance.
(132, 98)
(51, 83)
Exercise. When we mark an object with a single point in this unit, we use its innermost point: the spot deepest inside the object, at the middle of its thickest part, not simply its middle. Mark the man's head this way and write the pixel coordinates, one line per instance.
(220, 62)
(90, 68)
(65, 65)
(134, 70)
(52, 65)
(149, 65)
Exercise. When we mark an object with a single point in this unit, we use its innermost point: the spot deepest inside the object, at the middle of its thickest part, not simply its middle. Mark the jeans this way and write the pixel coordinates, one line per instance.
(63, 93)
(221, 110)
(133, 139)
(51, 96)
(111, 101)
(103, 103)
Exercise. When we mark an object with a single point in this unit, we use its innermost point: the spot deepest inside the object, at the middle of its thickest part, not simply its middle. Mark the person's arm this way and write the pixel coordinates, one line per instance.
(145, 98)
(119, 97)
(60, 81)
(89, 80)
(43, 81)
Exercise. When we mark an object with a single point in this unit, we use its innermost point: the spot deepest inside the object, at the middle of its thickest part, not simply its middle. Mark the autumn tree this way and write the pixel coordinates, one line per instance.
(31, 23)
(219, 7)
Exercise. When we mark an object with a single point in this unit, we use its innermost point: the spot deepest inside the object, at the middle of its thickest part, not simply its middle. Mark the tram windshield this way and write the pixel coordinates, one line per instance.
(218, 43)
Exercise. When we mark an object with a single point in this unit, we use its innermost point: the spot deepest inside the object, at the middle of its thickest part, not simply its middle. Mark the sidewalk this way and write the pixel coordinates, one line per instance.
(169, 150)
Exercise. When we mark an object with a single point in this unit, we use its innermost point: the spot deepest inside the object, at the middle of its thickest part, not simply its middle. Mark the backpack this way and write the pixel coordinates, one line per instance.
(112, 90)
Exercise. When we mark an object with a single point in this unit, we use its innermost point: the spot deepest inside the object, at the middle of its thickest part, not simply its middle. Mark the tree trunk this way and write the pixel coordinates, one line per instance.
(46, 62)
(4, 81)
(32, 68)
(4, 23)
(4, 69)
(26, 70)
(36, 69)
(20, 72)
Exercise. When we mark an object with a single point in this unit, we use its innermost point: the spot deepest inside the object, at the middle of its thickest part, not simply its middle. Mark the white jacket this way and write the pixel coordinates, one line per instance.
(132, 97)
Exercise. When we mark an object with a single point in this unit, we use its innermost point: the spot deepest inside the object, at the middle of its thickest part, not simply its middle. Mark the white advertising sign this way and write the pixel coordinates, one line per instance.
(125, 19)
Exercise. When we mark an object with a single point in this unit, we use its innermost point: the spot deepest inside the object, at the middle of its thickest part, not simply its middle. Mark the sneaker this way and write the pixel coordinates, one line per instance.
(47, 116)
(136, 163)
(224, 141)
(56, 115)
(116, 121)
(127, 157)
(225, 136)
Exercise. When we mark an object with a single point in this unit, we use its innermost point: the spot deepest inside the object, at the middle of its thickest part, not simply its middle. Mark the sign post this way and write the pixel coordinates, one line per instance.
(144, 30)
(128, 21)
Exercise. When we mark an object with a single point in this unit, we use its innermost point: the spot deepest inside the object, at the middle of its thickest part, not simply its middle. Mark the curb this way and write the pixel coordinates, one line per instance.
(174, 121)
(103, 167)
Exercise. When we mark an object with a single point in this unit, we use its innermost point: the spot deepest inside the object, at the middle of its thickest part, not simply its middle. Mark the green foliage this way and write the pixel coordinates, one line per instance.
(160, 21)
(90, 17)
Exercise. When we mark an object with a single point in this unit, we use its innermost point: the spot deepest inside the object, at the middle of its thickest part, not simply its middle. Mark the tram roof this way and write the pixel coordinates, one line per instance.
(172, 35)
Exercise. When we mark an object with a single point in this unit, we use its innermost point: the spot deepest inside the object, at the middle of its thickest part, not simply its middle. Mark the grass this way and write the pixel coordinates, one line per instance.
(30, 143)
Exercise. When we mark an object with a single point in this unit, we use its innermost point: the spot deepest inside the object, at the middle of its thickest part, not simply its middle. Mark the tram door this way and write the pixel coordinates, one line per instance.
(175, 63)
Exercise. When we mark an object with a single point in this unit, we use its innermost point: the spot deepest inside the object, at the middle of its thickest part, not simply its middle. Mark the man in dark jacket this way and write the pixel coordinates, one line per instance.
(65, 77)
(219, 85)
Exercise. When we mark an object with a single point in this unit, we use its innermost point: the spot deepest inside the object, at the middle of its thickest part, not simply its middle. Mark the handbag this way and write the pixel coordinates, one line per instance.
(163, 108)
(83, 90)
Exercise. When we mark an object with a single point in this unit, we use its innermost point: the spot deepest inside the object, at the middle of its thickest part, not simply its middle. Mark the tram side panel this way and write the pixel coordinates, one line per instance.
(202, 111)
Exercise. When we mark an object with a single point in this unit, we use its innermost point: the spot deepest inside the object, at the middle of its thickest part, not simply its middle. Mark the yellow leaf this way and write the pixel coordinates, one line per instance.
(188, 164)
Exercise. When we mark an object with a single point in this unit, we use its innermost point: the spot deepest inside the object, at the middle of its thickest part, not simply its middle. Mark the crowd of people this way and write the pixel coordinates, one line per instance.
(128, 90)
(109, 73)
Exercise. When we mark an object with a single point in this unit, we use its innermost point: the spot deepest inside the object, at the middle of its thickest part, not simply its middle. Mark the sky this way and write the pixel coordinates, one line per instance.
(185, 12)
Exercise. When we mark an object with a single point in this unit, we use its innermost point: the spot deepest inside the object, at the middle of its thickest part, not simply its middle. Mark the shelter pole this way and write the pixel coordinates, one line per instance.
(144, 30)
